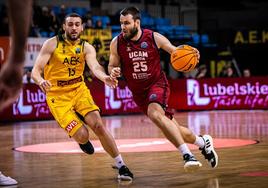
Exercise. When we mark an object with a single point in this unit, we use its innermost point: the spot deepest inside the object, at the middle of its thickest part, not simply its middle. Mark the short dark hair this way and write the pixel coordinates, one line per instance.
(134, 11)
(73, 14)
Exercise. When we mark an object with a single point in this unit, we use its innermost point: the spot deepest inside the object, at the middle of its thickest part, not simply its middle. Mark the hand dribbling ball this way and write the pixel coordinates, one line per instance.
(184, 58)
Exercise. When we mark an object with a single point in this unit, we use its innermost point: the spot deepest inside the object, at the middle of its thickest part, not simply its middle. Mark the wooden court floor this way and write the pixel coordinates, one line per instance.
(245, 166)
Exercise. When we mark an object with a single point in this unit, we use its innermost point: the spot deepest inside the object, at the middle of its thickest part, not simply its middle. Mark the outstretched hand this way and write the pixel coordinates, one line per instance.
(115, 72)
(10, 84)
(197, 53)
(193, 48)
(45, 85)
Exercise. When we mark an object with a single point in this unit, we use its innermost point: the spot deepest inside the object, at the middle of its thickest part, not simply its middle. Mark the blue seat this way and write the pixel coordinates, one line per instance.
(115, 33)
(106, 21)
(51, 34)
(145, 14)
(204, 39)
(44, 34)
(80, 10)
(196, 38)
(56, 9)
(182, 32)
(95, 19)
(147, 21)
(181, 29)
(68, 10)
(162, 21)
(115, 28)
(165, 30)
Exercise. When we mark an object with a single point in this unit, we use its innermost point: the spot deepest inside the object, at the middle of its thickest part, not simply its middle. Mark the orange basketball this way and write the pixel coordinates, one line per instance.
(184, 58)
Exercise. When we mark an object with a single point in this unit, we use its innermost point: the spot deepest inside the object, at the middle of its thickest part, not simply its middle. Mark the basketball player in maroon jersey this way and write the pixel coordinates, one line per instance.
(135, 53)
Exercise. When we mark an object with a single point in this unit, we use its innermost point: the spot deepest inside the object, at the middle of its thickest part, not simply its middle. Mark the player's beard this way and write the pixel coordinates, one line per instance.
(72, 38)
(132, 33)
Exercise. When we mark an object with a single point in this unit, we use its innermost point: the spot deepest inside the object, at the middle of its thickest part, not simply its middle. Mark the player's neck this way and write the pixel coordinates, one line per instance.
(70, 41)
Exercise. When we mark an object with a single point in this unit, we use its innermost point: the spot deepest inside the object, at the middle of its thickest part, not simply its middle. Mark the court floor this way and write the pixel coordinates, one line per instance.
(40, 154)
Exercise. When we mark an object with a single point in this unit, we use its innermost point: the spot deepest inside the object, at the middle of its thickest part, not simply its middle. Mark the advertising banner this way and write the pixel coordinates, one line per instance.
(220, 94)
(32, 50)
(113, 101)
(186, 94)
(31, 104)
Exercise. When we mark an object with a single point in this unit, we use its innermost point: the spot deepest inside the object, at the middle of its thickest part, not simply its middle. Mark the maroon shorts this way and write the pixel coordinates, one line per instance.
(158, 93)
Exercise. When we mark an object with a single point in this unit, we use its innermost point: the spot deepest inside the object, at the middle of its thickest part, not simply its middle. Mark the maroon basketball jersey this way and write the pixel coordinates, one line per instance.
(140, 61)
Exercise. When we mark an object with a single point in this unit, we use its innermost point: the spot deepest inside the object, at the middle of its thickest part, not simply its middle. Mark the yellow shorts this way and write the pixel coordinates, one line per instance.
(64, 106)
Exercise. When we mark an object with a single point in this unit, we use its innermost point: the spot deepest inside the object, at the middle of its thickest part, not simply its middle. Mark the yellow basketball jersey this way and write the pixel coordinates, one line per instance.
(66, 66)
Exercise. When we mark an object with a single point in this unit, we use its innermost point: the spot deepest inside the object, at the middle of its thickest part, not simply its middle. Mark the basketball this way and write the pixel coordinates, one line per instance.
(184, 58)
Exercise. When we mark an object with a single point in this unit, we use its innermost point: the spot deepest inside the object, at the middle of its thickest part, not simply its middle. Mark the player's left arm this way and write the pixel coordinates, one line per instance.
(96, 68)
(163, 43)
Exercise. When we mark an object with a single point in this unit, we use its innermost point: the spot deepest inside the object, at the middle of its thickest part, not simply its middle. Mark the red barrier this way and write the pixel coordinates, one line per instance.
(4, 49)
(113, 101)
(219, 93)
(203, 94)
(31, 104)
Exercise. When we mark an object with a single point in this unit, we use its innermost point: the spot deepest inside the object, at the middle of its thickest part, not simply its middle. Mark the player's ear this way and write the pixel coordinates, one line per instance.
(63, 26)
(138, 21)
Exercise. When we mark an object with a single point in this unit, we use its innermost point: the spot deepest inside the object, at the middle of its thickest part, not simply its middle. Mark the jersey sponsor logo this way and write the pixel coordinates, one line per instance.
(128, 49)
(77, 50)
(69, 82)
(137, 54)
(153, 97)
(71, 61)
(71, 125)
(140, 76)
(144, 45)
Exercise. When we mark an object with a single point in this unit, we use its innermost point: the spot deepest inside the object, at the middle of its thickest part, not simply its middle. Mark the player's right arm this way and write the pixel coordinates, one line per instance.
(114, 60)
(41, 60)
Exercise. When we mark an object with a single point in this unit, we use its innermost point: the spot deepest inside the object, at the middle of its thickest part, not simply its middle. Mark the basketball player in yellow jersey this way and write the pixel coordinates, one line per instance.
(62, 60)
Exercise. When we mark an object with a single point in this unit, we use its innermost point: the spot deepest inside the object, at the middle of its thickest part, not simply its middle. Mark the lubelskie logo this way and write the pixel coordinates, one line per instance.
(219, 95)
